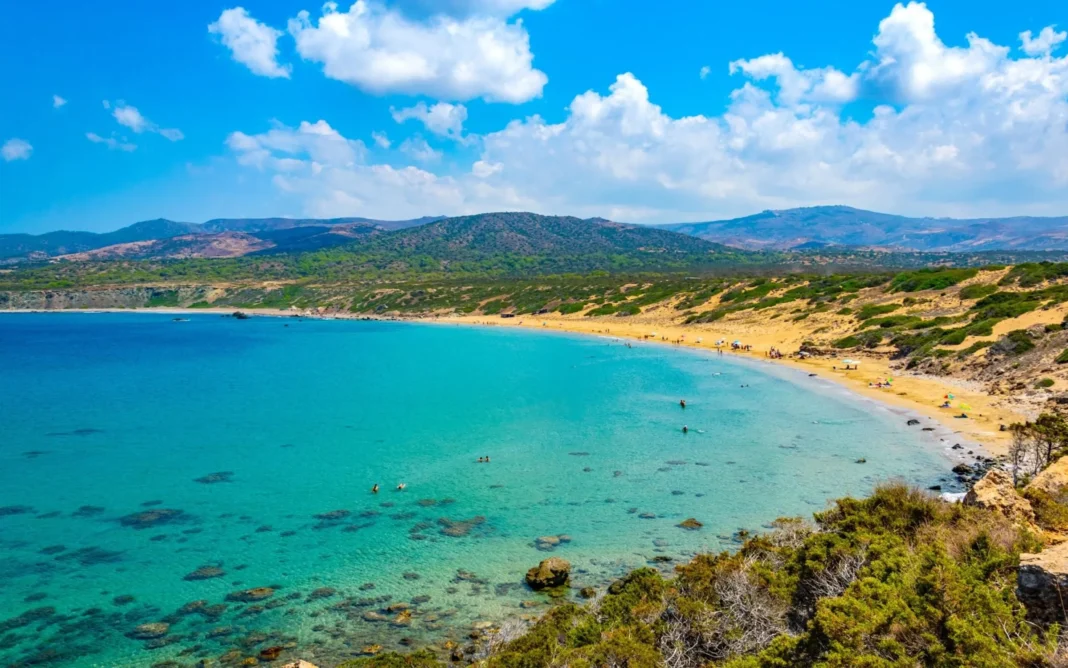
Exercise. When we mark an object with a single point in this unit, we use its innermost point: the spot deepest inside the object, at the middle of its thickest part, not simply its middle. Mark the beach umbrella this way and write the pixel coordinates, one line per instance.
(737, 343)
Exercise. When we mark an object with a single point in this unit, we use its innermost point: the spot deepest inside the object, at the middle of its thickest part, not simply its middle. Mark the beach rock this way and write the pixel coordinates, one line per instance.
(913, 422)
(271, 653)
(251, 595)
(1041, 580)
(551, 572)
(205, 573)
(213, 478)
(587, 592)
(1053, 480)
(690, 524)
(963, 469)
(150, 631)
(300, 664)
(995, 491)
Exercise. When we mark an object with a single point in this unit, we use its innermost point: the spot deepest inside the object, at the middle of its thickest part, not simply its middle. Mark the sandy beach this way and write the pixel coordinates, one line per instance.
(921, 394)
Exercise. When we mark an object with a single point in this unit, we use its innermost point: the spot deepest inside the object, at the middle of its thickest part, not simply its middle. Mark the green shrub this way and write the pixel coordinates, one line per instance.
(1063, 357)
(1044, 383)
(1016, 342)
(978, 291)
(568, 308)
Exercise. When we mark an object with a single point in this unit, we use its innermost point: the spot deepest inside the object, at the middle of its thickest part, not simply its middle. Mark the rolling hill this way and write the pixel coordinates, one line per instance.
(825, 226)
(274, 231)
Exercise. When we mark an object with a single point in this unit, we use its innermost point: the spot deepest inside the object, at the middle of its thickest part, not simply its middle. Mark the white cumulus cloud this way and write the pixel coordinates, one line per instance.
(419, 150)
(130, 117)
(251, 43)
(1044, 44)
(442, 118)
(57, 102)
(16, 149)
(382, 51)
(381, 139)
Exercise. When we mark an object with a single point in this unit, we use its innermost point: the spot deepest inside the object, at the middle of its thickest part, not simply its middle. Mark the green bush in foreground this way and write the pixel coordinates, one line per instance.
(897, 579)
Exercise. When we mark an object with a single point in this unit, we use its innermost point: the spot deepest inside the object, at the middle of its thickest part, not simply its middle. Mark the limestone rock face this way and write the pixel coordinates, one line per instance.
(994, 491)
(1053, 480)
(1042, 581)
(552, 572)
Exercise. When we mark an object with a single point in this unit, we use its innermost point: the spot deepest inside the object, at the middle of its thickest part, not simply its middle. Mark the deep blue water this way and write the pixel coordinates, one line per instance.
(104, 417)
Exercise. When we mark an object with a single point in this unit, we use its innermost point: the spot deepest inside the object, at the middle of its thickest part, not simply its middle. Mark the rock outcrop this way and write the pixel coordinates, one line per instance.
(300, 664)
(1053, 480)
(995, 491)
(1042, 584)
(552, 572)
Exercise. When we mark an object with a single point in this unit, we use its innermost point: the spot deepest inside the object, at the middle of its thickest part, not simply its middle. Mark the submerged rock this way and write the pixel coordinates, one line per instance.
(459, 528)
(333, 515)
(205, 573)
(213, 478)
(551, 572)
(690, 524)
(251, 595)
(6, 511)
(150, 631)
(150, 518)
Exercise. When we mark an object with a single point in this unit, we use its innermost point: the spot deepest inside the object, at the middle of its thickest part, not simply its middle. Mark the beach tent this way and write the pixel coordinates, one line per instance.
(851, 362)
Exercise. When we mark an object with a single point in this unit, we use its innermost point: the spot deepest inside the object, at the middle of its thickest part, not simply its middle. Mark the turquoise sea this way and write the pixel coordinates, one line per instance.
(135, 450)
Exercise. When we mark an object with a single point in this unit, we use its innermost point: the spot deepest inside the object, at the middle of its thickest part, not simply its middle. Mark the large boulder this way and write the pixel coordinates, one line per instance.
(552, 572)
(1042, 583)
(995, 491)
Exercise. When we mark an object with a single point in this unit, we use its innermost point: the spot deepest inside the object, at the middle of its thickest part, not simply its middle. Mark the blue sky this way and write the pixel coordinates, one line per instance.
(586, 107)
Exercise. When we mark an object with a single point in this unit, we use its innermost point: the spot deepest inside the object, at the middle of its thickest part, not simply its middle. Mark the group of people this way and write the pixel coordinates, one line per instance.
(483, 460)
(775, 354)
(400, 487)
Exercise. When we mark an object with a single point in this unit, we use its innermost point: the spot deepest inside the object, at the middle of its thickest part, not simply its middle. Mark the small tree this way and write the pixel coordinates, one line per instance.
(1018, 449)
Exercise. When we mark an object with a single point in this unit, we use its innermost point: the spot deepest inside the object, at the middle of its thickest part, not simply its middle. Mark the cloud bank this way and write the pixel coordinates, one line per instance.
(918, 126)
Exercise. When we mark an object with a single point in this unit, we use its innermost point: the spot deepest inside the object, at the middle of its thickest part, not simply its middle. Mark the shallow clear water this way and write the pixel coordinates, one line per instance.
(103, 416)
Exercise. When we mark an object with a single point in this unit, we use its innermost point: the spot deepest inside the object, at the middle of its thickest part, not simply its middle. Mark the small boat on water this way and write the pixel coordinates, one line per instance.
(180, 320)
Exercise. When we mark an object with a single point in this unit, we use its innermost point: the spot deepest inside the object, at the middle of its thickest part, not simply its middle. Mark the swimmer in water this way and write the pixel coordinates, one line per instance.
(481, 460)
(685, 429)
(682, 403)
(374, 490)
(401, 487)
(487, 459)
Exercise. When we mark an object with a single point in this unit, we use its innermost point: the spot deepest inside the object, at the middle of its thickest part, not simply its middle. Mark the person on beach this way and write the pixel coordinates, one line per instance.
(374, 490)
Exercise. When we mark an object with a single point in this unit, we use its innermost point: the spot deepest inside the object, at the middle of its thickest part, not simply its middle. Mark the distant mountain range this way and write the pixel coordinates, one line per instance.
(814, 228)
(222, 237)
(827, 226)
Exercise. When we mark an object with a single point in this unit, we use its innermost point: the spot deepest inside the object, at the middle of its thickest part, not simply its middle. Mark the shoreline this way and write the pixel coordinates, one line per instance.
(918, 395)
